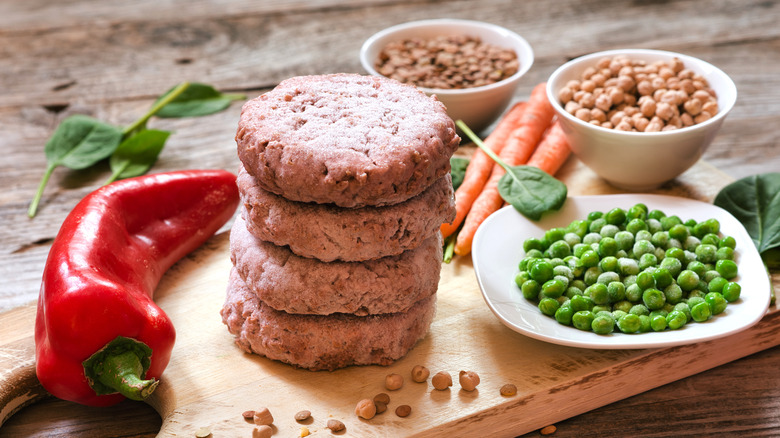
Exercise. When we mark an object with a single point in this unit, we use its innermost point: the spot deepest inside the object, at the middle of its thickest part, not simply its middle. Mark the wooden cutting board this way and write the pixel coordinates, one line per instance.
(210, 382)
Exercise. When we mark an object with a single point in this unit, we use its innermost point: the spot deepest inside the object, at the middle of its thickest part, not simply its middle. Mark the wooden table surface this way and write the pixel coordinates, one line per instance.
(111, 58)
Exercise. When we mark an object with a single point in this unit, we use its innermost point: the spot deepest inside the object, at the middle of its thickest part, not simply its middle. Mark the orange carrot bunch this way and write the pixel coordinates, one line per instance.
(527, 134)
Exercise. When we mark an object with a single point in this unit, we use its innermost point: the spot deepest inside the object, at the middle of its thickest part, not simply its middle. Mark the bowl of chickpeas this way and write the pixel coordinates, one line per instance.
(472, 67)
(637, 117)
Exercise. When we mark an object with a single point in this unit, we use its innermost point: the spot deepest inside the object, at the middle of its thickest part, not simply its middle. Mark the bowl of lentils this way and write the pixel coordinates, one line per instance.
(472, 67)
(637, 117)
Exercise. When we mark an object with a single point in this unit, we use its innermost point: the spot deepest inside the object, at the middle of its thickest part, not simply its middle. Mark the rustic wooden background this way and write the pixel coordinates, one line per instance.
(111, 58)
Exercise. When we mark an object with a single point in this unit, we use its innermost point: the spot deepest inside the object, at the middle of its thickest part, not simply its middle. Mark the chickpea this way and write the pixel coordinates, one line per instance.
(583, 114)
(571, 107)
(394, 381)
(441, 380)
(693, 106)
(574, 85)
(365, 409)
(703, 117)
(263, 417)
(617, 96)
(588, 85)
(263, 431)
(687, 119)
(710, 107)
(640, 124)
(598, 79)
(626, 82)
(603, 62)
(647, 107)
(603, 102)
(566, 94)
(645, 88)
(587, 100)
(598, 115)
(468, 380)
(420, 373)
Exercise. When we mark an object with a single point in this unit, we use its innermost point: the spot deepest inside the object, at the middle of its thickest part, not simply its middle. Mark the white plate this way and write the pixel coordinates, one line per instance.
(498, 248)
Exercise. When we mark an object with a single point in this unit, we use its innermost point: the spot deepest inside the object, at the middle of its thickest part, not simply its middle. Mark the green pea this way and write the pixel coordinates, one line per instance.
(627, 266)
(717, 284)
(663, 278)
(629, 323)
(660, 239)
(607, 247)
(592, 275)
(616, 216)
(643, 235)
(616, 291)
(553, 288)
(645, 280)
(564, 314)
(638, 211)
(671, 264)
(593, 215)
(639, 309)
(603, 324)
(534, 254)
(684, 308)
(727, 268)
(531, 289)
(636, 225)
(687, 280)
(554, 234)
(621, 306)
(624, 240)
(563, 271)
(673, 293)
(633, 293)
(608, 277)
(709, 226)
(578, 227)
(583, 319)
(609, 230)
(728, 242)
(575, 266)
(679, 232)
(521, 278)
(541, 270)
(654, 226)
(706, 253)
(656, 214)
(532, 243)
(644, 324)
(548, 306)
(676, 253)
(697, 267)
(571, 239)
(692, 301)
(653, 298)
(710, 239)
(668, 222)
(560, 249)
(676, 319)
(643, 247)
(658, 323)
(582, 302)
(598, 293)
(572, 291)
(595, 225)
(589, 259)
(709, 276)
(724, 253)
(579, 248)
(647, 260)
(690, 244)
(602, 308)
(716, 301)
(701, 312)
(731, 291)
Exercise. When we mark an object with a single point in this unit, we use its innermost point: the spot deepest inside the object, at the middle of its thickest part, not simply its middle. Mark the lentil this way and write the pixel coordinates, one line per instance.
(380, 407)
(335, 425)
(403, 411)
(302, 415)
(508, 390)
(382, 398)
(446, 62)
(632, 95)
(548, 430)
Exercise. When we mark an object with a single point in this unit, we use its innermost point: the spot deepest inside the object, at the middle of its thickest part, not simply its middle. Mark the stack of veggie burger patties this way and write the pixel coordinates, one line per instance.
(337, 252)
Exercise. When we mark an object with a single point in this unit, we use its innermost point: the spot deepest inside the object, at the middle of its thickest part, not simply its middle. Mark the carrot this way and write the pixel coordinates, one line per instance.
(480, 166)
(521, 143)
(552, 151)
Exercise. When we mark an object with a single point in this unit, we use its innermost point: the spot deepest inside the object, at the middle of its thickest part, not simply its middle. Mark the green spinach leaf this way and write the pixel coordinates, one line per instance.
(136, 155)
(458, 170)
(78, 142)
(197, 100)
(531, 191)
(755, 202)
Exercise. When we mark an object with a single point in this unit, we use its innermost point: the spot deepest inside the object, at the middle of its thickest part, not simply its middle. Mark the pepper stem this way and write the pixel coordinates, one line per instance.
(119, 367)
(122, 372)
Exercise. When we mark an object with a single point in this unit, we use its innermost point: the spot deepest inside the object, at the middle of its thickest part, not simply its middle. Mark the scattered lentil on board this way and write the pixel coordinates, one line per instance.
(335, 425)
(508, 390)
(302, 415)
(447, 62)
(632, 95)
(403, 410)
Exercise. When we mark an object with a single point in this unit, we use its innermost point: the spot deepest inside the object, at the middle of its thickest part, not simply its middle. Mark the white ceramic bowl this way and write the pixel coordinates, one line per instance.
(640, 161)
(478, 107)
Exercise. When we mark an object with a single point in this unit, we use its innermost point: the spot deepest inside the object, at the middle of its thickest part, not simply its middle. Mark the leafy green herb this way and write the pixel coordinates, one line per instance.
(755, 202)
(528, 189)
(197, 100)
(80, 141)
(458, 170)
(136, 155)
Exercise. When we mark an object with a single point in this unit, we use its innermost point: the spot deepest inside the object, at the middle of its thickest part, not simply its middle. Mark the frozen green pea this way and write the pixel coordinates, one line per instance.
(639, 309)
(675, 253)
(553, 288)
(564, 314)
(608, 277)
(581, 302)
(706, 253)
(607, 247)
(645, 280)
(636, 225)
(647, 260)
(532, 243)
(609, 264)
(554, 235)
(731, 291)
(727, 268)
(591, 238)
(663, 278)
(728, 242)
(644, 324)
(691, 243)
(548, 306)
(624, 240)
(598, 293)
(724, 253)
(609, 230)
(695, 293)
(676, 319)
(541, 270)
(629, 323)
(701, 312)
(572, 239)
(653, 298)
(578, 227)
(717, 284)
(709, 226)
(643, 247)
(710, 239)
(521, 278)
(633, 293)
(637, 211)
(660, 239)
(621, 306)
(579, 248)
(595, 225)
(627, 266)
(603, 324)
(643, 235)
(659, 253)
(593, 215)
(617, 314)
(671, 264)
(658, 323)
(687, 280)
(601, 308)
(531, 289)
(571, 291)
(673, 293)
(616, 216)
(710, 275)
(654, 225)
(679, 232)
(616, 291)
(560, 249)
(697, 267)
(669, 221)
(564, 271)
(592, 275)
(583, 319)
(656, 214)
(716, 301)
(684, 308)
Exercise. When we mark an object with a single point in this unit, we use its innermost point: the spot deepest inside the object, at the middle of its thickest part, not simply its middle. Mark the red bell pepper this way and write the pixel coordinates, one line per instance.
(99, 337)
